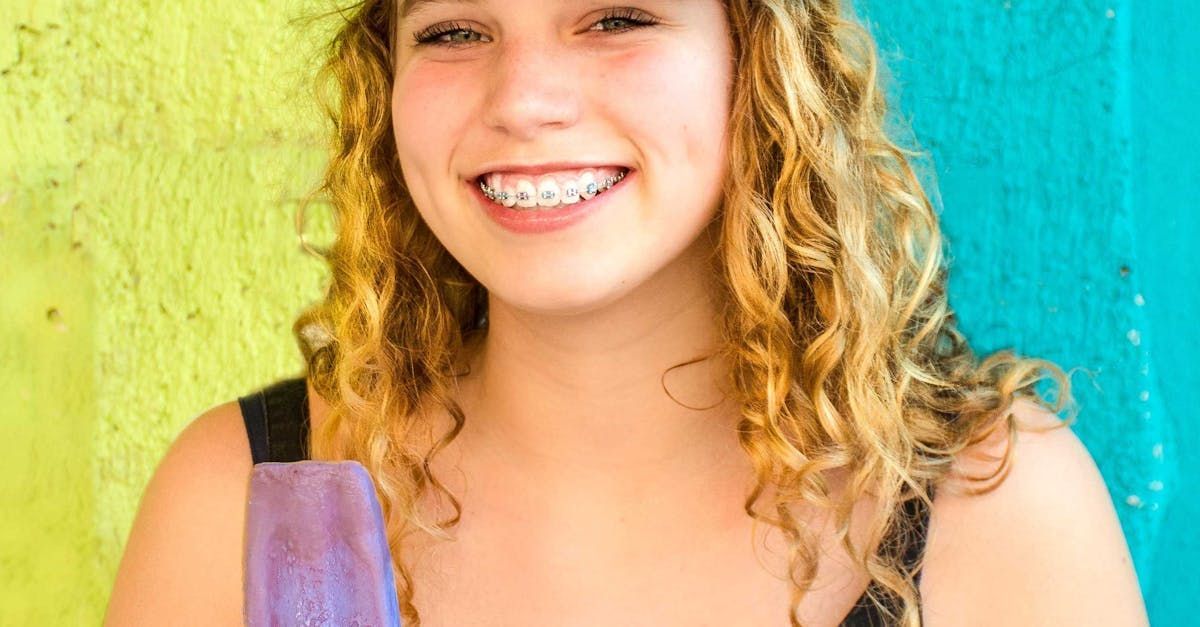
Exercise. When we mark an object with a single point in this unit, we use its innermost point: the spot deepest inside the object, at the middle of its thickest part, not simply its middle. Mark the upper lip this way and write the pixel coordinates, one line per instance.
(543, 168)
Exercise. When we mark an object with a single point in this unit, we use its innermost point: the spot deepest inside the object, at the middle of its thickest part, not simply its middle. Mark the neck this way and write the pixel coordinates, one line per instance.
(578, 401)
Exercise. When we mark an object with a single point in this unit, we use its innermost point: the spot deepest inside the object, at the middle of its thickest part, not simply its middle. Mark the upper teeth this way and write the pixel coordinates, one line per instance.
(548, 190)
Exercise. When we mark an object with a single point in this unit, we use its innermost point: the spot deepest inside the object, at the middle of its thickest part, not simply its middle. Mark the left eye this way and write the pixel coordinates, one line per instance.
(434, 35)
(633, 18)
(627, 19)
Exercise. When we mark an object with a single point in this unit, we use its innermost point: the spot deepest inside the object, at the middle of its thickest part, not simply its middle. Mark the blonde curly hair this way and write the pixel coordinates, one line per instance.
(845, 354)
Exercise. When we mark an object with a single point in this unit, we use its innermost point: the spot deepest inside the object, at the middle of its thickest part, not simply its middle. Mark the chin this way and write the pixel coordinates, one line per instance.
(562, 292)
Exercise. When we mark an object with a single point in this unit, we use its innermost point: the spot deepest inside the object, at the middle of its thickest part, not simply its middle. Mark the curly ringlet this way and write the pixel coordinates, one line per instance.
(844, 351)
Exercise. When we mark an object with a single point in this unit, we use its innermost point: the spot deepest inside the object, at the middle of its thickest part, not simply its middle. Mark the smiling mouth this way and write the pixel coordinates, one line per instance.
(547, 192)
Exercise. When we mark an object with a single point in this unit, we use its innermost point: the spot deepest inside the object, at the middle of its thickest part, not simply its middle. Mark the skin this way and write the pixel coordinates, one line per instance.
(583, 321)
(569, 433)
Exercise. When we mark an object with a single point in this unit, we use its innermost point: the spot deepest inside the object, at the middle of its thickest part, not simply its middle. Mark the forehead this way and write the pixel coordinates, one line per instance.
(409, 8)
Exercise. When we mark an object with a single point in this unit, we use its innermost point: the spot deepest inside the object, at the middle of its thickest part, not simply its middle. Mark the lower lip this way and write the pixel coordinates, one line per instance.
(528, 221)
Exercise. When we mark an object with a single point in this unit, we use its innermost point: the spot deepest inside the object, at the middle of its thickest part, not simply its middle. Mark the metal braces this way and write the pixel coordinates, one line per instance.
(592, 188)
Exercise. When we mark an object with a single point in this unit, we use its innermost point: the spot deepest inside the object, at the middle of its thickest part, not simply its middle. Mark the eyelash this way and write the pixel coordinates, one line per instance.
(429, 36)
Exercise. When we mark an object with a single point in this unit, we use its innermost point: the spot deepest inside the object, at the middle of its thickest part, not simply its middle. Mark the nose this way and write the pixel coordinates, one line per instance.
(533, 86)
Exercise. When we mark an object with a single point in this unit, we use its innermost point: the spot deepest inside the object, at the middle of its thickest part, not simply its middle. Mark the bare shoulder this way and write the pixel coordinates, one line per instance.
(1043, 547)
(183, 560)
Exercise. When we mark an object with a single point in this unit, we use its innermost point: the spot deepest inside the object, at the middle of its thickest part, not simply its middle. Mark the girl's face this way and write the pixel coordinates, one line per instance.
(545, 93)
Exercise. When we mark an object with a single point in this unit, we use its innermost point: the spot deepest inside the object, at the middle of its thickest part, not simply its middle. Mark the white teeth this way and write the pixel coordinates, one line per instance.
(570, 193)
(526, 194)
(587, 186)
(548, 193)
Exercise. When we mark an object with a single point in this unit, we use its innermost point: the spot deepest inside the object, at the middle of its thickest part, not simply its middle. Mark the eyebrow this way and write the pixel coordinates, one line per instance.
(410, 7)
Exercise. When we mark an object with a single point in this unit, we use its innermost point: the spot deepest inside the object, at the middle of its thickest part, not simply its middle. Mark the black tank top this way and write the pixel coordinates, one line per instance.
(277, 424)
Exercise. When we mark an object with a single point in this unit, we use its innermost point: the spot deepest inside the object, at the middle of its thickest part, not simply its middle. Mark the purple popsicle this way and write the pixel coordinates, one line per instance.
(316, 551)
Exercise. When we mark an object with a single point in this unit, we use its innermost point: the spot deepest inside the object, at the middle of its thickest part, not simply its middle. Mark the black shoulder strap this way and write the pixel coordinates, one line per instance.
(276, 420)
(866, 613)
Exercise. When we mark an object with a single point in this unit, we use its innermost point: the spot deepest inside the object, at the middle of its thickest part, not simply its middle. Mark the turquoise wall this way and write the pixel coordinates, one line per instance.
(1062, 138)
(153, 154)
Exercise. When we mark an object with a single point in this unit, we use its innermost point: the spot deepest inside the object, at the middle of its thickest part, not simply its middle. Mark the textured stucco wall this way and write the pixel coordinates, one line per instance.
(1061, 138)
(152, 154)
(1163, 88)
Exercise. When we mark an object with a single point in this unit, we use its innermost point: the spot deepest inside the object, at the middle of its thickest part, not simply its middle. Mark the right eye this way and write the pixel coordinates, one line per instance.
(433, 35)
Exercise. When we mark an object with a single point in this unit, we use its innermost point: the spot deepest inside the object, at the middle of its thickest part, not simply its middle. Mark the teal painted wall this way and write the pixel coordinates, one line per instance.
(1062, 138)
(153, 154)
(1165, 178)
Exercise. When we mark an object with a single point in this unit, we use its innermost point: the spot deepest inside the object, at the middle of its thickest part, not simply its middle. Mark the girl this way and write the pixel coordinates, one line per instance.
(637, 316)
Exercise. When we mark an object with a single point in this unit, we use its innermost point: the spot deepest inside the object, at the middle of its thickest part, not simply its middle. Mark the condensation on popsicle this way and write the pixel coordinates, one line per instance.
(316, 551)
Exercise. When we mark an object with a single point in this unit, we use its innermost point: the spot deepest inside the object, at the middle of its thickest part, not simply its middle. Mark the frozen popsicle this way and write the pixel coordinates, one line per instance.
(316, 551)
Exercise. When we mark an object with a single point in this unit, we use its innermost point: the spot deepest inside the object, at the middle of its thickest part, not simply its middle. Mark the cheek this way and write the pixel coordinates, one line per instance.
(424, 111)
(677, 99)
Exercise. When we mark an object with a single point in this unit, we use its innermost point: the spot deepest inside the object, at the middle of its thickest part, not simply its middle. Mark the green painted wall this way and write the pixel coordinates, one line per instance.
(153, 155)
